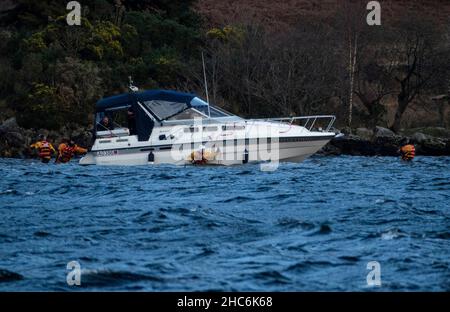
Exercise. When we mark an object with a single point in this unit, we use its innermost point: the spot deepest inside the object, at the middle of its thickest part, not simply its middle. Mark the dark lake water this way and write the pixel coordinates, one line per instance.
(304, 227)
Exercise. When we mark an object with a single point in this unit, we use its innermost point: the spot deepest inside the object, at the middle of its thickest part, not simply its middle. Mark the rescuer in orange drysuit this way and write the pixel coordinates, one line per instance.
(407, 151)
(45, 149)
(67, 150)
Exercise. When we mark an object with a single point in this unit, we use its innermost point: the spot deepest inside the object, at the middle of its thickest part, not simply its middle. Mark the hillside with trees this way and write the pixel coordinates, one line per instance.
(52, 74)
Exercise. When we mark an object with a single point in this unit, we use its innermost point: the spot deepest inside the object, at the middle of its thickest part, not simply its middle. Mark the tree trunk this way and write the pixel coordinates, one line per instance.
(442, 105)
(402, 105)
(376, 111)
(352, 66)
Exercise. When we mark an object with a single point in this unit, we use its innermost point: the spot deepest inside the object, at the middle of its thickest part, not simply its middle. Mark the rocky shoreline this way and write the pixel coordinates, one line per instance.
(432, 141)
(15, 141)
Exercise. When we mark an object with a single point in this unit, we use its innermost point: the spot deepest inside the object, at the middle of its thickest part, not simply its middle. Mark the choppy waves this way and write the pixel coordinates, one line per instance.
(304, 227)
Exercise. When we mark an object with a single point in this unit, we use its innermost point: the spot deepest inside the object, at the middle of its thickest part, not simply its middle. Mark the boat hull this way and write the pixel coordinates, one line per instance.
(281, 151)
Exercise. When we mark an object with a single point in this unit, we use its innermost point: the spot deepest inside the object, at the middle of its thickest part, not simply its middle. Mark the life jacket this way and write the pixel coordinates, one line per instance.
(45, 151)
(408, 152)
(67, 153)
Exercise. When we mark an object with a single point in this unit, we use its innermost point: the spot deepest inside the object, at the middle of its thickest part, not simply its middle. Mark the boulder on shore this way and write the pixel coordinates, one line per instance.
(383, 132)
(434, 147)
(364, 133)
(419, 137)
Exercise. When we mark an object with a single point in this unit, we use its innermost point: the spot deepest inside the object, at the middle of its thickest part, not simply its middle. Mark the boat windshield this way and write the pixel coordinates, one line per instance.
(213, 111)
(190, 113)
(198, 109)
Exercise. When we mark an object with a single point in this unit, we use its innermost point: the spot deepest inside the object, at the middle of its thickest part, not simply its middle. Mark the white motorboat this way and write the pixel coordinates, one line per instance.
(169, 127)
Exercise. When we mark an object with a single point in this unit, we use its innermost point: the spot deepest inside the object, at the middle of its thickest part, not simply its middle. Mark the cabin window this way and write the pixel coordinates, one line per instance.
(120, 121)
(233, 127)
(165, 109)
(117, 118)
(191, 130)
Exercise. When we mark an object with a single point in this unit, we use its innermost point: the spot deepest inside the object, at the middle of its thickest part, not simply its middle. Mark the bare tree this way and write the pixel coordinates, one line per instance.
(373, 78)
(284, 74)
(420, 64)
(353, 21)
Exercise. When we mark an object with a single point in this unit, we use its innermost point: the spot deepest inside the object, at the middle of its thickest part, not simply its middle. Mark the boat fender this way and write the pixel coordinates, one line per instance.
(151, 157)
(245, 160)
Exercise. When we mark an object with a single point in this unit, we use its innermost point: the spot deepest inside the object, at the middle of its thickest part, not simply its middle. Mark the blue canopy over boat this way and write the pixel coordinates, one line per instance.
(156, 105)
(127, 99)
(162, 104)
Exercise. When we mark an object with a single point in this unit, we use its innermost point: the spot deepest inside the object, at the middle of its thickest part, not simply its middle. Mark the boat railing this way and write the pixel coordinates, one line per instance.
(309, 121)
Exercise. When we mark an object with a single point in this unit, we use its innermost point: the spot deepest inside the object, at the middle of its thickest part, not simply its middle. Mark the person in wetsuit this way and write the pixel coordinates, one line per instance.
(131, 121)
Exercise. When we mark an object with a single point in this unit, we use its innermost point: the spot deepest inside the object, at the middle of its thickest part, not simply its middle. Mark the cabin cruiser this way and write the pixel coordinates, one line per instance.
(170, 127)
